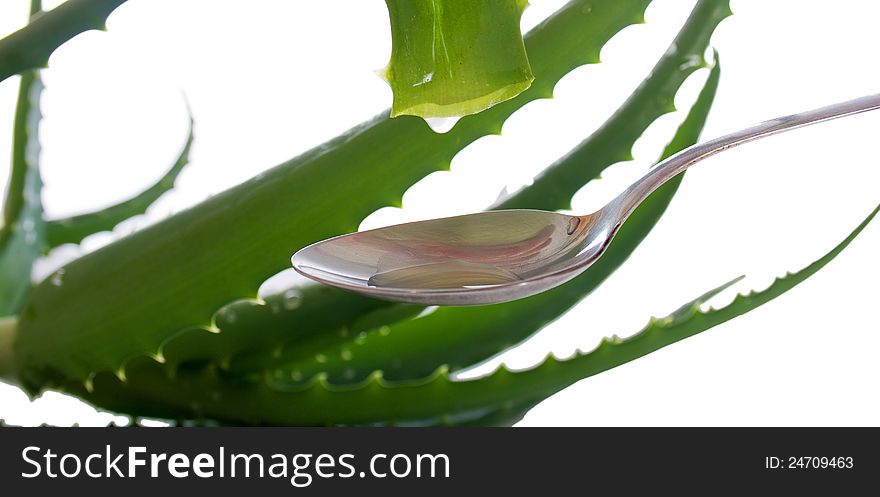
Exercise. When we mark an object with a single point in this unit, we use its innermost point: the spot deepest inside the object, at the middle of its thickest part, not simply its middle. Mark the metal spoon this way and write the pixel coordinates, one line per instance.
(497, 256)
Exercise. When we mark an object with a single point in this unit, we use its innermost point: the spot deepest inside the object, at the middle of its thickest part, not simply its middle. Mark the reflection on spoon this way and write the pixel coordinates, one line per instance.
(449, 274)
(497, 256)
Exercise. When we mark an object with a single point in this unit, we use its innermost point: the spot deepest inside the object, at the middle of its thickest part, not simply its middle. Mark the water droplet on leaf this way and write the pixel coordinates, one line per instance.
(425, 80)
(690, 62)
(292, 299)
(228, 315)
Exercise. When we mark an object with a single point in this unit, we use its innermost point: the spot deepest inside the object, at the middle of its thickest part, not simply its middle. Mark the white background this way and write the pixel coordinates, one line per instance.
(268, 79)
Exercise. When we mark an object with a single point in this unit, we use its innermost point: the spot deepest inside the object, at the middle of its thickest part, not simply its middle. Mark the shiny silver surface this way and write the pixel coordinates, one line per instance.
(497, 256)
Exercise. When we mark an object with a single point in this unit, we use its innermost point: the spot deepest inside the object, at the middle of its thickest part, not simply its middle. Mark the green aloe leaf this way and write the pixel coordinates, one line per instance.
(74, 229)
(23, 239)
(8, 325)
(25, 143)
(451, 58)
(292, 341)
(129, 297)
(23, 234)
(31, 46)
(436, 399)
(315, 314)
(461, 336)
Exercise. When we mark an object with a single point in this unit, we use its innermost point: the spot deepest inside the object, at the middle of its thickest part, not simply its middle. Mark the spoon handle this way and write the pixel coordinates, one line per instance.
(627, 201)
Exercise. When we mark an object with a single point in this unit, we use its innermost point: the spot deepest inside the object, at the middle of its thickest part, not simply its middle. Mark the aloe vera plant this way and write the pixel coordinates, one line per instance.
(189, 342)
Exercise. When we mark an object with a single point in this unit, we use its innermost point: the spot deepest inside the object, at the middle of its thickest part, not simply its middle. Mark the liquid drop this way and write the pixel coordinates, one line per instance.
(442, 124)
(57, 277)
(690, 62)
(292, 299)
(448, 274)
(228, 315)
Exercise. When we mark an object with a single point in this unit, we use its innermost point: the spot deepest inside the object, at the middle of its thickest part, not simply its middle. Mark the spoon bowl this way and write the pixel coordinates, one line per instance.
(463, 260)
(497, 256)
